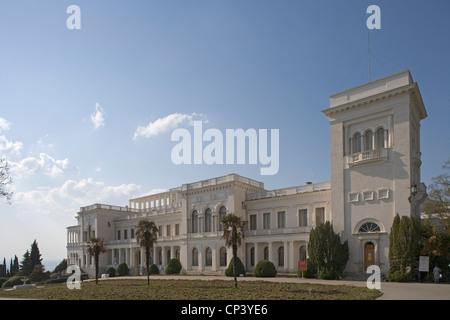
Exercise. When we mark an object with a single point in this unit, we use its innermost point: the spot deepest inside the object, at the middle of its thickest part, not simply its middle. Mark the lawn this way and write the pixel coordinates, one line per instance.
(137, 289)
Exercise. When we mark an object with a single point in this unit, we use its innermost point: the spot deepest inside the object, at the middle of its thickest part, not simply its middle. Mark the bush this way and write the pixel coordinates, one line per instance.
(240, 269)
(111, 272)
(2, 281)
(154, 269)
(265, 268)
(122, 270)
(14, 281)
(174, 266)
(398, 276)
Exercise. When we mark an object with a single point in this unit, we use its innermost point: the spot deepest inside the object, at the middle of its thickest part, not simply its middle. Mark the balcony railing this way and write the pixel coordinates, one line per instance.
(367, 156)
(289, 191)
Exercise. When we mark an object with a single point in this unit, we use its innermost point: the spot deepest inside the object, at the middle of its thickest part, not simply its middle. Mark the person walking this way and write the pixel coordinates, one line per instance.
(436, 273)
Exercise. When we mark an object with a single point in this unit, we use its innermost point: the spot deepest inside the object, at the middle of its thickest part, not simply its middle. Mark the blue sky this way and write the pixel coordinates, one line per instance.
(71, 101)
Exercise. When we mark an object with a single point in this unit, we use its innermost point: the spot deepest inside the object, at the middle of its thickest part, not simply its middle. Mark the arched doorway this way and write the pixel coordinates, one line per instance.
(369, 255)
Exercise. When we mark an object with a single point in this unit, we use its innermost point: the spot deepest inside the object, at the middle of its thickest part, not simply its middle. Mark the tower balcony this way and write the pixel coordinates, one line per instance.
(366, 157)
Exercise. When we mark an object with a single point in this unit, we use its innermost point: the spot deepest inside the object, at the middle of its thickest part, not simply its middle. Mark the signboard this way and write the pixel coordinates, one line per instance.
(424, 263)
(302, 265)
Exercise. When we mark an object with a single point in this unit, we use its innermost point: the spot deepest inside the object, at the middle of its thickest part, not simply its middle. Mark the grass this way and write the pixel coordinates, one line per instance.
(137, 289)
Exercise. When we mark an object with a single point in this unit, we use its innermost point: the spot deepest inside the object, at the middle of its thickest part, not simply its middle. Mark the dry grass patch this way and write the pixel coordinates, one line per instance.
(137, 289)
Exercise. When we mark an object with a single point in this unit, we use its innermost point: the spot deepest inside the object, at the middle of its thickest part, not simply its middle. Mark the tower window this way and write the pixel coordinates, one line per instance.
(357, 143)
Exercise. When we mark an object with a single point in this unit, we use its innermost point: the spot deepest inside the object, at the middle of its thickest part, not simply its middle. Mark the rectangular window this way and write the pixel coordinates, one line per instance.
(281, 218)
(177, 229)
(160, 231)
(118, 234)
(266, 220)
(125, 234)
(132, 233)
(253, 222)
(320, 215)
(303, 217)
(168, 230)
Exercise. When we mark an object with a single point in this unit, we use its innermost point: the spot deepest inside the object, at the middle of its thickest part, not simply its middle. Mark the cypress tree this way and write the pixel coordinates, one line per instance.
(25, 268)
(35, 255)
(326, 252)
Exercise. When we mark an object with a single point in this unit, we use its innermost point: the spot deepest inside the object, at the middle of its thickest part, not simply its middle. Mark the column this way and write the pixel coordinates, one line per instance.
(256, 253)
(291, 257)
(163, 262)
(214, 258)
(270, 252)
(286, 261)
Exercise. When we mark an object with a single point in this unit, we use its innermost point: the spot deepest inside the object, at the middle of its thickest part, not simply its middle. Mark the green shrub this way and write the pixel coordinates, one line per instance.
(2, 281)
(240, 269)
(154, 269)
(122, 270)
(111, 272)
(398, 276)
(265, 268)
(174, 266)
(14, 281)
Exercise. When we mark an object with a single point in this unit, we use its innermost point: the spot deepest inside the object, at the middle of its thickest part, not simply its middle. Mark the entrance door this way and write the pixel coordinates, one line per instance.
(369, 255)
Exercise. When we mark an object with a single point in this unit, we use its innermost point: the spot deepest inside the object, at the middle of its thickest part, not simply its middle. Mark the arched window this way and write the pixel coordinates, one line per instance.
(302, 253)
(223, 257)
(281, 256)
(208, 220)
(208, 257)
(194, 257)
(369, 227)
(380, 138)
(222, 215)
(195, 221)
(368, 140)
(266, 253)
(357, 143)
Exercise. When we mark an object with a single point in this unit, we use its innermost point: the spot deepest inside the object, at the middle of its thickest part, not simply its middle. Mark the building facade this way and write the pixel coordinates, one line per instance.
(375, 173)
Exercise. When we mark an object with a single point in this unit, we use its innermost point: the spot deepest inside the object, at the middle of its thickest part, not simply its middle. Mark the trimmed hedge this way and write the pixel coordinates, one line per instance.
(111, 272)
(240, 269)
(122, 270)
(265, 268)
(174, 266)
(154, 269)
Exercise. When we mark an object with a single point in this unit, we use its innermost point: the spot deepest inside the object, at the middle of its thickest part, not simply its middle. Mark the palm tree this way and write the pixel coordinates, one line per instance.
(233, 233)
(146, 235)
(95, 248)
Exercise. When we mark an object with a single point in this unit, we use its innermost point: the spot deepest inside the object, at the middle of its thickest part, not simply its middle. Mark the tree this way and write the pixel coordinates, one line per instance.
(61, 267)
(95, 248)
(146, 235)
(233, 233)
(5, 180)
(438, 201)
(404, 247)
(25, 267)
(326, 252)
(35, 255)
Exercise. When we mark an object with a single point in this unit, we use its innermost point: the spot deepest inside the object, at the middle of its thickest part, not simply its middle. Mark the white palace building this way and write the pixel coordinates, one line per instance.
(375, 173)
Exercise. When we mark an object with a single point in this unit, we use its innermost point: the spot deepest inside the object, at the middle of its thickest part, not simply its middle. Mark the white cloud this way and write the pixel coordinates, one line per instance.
(45, 164)
(165, 124)
(97, 117)
(4, 124)
(8, 147)
(72, 195)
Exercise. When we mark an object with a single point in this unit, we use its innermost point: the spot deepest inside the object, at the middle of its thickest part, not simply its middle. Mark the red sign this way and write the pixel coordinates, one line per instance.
(302, 265)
